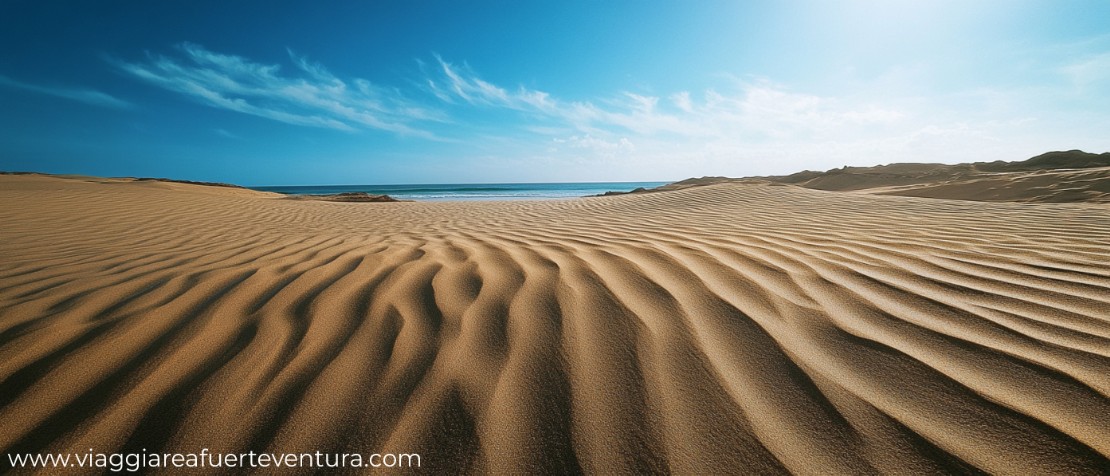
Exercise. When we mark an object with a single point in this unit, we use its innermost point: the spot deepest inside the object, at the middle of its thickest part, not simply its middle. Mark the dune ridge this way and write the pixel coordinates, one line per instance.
(1053, 177)
(724, 328)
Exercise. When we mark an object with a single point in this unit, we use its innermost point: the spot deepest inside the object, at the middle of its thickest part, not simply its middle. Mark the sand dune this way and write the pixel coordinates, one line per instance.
(729, 328)
(1051, 186)
(1054, 177)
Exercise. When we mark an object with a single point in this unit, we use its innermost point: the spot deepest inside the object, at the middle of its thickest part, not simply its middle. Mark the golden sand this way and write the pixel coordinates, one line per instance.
(719, 329)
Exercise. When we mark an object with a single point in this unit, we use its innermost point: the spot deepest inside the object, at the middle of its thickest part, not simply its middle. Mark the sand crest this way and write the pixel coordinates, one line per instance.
(727, 328)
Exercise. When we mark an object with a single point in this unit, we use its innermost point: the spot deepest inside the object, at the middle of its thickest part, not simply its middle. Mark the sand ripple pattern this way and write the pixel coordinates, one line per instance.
(735, 328)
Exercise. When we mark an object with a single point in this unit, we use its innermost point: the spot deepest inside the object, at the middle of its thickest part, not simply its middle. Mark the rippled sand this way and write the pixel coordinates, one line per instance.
(719, 329)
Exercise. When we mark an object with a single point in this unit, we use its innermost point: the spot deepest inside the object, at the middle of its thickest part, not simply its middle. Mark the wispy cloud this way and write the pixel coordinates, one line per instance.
(1089, 71)
(87, 96)
(224, 133)
(455, 84)
(744, 126)
(749, 126)
(752, 108)
(312, 96)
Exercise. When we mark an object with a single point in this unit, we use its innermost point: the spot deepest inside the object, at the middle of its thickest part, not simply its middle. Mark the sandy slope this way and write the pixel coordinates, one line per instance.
(1090, 185)
(725, 328)
(1053, 186)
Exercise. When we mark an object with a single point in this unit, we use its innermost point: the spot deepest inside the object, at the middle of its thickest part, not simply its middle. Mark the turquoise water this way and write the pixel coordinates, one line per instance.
(470, 191)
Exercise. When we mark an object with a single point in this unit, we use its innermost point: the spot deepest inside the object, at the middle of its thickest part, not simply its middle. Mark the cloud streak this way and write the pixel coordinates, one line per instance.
(744, 127)
(752, 113)
(1089, 72)
(311, 97)
(87, 96)
(752, 126)
(756, 108)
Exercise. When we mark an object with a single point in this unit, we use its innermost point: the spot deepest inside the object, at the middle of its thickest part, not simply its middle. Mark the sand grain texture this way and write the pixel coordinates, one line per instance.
(730, 328)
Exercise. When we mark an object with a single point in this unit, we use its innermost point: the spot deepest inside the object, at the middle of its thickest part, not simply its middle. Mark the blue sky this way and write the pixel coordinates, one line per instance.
(285, 93)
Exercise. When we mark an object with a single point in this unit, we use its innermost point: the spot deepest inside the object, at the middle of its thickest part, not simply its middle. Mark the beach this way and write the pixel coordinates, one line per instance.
(720, 329)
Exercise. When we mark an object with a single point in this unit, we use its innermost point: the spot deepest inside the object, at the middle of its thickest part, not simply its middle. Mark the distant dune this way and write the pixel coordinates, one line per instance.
(735, 328)
(1071, 176)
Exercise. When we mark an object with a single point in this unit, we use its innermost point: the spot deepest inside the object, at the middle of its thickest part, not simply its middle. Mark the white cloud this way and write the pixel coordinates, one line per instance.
(316, 98)
(471, 88)
(682, 101)
(1088, 71)
(644, 104)
(87, 96)
(225, 133)
(753, 110)
(743, 127)
(594, 144)
(758, 127)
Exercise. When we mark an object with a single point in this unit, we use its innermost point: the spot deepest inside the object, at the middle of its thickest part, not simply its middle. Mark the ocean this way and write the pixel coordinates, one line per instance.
(470, 191)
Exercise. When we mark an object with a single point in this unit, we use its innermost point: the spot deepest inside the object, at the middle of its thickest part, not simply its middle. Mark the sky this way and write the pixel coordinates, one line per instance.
(385, 92)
